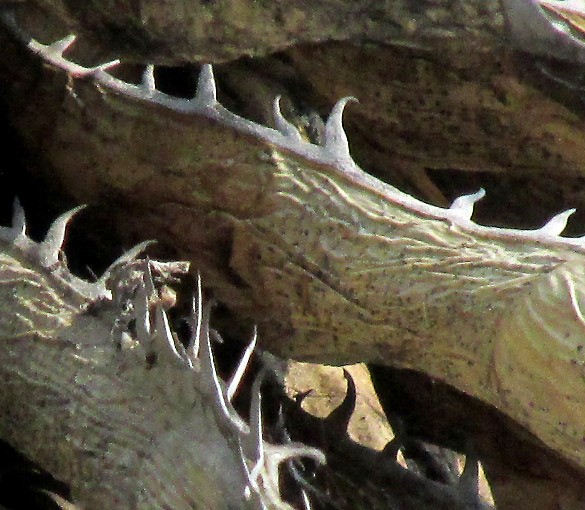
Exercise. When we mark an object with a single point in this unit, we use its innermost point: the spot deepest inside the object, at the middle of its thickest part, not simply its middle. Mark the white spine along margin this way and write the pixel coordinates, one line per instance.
(260, 460)
(334, 151)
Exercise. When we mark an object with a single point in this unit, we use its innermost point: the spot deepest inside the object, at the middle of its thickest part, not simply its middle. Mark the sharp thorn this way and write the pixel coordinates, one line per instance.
(18, 219)
(126, 257)
(148, 80)
(464, 204)
(242, 365)
(51, 246)
(148, 279)
(216, 336)
(104, 67)
(61, 46)
(244, 461)
(163, 329)
(206, 93)
(195, 323)
(557, 223)
(281, 425)
(469, 479)
(208, 374)
(16, 234)
(335, 139)
(256, 411)
(300, 397)
(339, 417)
(306, 501)
(142, 315)
(277, 454)
(285, 127)
(393, 447)
(254, 443)
(470, 474)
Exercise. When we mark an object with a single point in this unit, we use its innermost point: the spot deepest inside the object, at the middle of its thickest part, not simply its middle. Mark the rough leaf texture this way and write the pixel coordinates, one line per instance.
(332, 264)
(124, 414)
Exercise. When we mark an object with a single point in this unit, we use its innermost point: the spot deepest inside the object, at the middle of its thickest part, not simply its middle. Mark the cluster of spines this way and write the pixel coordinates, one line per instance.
(260, 460)
(464, 490)
(334, 151)
(47, 253)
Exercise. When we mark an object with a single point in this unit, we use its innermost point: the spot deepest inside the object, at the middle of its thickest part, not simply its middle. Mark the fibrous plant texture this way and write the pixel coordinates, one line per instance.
(125, 413)
(332, 264)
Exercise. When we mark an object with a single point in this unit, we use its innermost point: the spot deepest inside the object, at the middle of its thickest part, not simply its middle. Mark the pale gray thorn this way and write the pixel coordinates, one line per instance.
(104, 67)
(16, 233)
(126, 257)
(254, 442)
(18, 219)
(163, 328)
(148, 279)
(299, 450)
(234, 382)
(285, 127)
(277, 454)
(557, 223)
(270, 474)
(148, 80)
(335, 139)
(464, 204)
(195, 323)
(281, 425)
(306, 501)
(142, 316)
(340, 416)
(216, 336)
(50, 248)
(61, 46)
(209, 375)
(206, 93)
(251, 483)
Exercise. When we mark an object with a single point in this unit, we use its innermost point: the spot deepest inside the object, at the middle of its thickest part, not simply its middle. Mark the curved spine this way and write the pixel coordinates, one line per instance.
(335, 151)
(525, 280)
(135, 298)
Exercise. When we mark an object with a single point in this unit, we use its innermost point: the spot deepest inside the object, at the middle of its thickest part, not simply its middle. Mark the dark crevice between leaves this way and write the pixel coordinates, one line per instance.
(25, 486)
